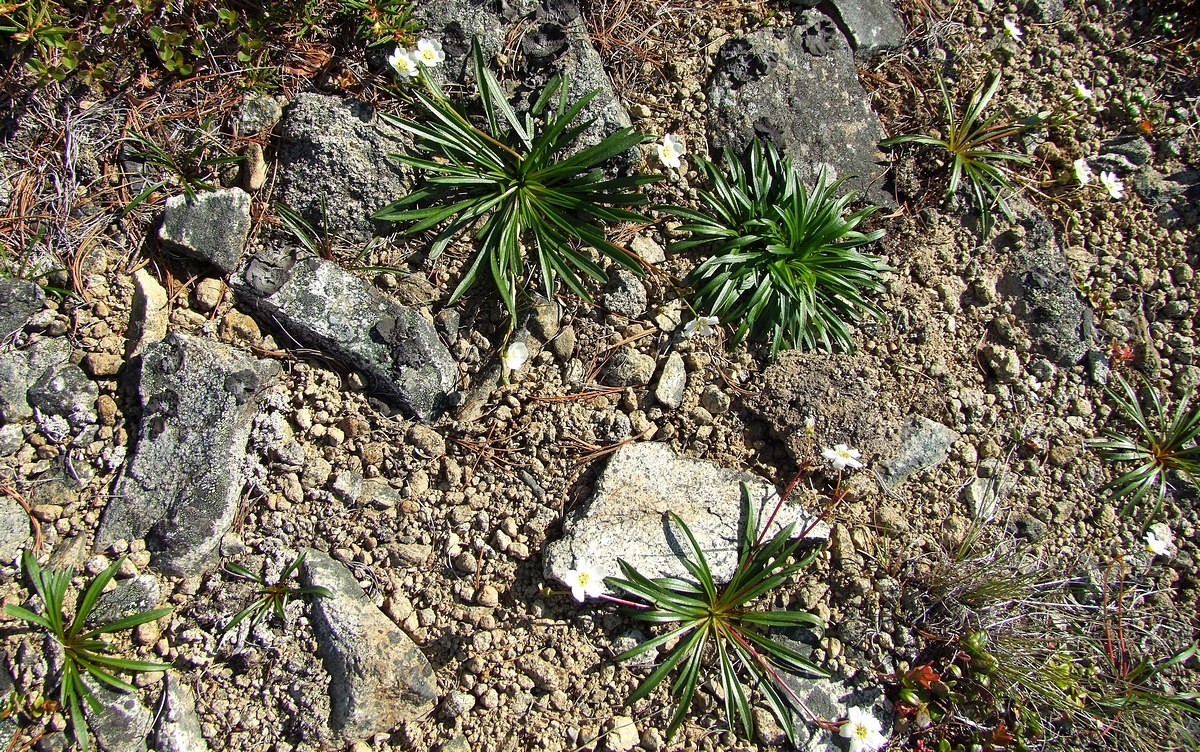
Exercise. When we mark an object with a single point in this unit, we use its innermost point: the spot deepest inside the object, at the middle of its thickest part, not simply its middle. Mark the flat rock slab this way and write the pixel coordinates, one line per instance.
(21, 369)
(18, 301)
(379, 677)
(328, 308)
(626, 518)
(798, 88)
(211, 226)
(182, 485)
(924, 443)
(178, 726)
(869, 25)
(334, 167)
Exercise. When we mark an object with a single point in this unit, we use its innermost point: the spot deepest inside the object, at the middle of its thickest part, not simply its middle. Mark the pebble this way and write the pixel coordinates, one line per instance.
(207, 294)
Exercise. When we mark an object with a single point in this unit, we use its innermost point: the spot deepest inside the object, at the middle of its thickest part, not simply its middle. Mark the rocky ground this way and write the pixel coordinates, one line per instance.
(210, 393)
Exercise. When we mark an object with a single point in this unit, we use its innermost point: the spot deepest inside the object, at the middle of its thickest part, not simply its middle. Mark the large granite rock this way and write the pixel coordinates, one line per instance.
(21, 369)
(329, 308)
(182, 485)
(869, 25)
(211, 226)
(378, 675)
(178, 726)
(798, 88)
(626, 517)
(334, 167)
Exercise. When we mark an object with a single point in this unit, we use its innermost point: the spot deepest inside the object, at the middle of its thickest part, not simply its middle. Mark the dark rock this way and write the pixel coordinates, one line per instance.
(182, 485)
(20, 369)
(66, 391)
(1039, 280)
(810, 105)
(626, 516)
(1177, 197)
(329, 308)
(378, 676)
(212, 226)
(1133, 148)
(923, 444)
(133, 596)
(334, 167)
(18, 301)
(178, 727)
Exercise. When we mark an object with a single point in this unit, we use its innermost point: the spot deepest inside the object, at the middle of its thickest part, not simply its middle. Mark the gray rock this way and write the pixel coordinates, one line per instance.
(18, 301)
(122, 723)
(625, 294)
(20, 369)
(11, 438)
(133, 596)
(335, 150)
(1045, 298)
(870, 25)
(982, 496)
(629, 367)
(212, 226)
(379, 677)
(1133, 148)
(771, 84)
(14, 529)
(831, 698)
(66, 391)
(923, 444)
(149, 315)
(328, 308)
(1177, 197)
(257, 113)
(178, 727)
(648, 249)
(182, 485)
(455, 23)
(626, 515)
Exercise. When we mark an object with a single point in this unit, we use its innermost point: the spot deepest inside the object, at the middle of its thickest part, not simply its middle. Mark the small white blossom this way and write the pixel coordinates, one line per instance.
(585, 581)
(1011, 29)
(670, 150)
(1081, 90)
(702, 325)
(429, 52)
(810, 426)
(1083, 171)
(864, 731)
(515, 356)
(404, 63)
(1156, 546)
(1112, 184)
(843, 457)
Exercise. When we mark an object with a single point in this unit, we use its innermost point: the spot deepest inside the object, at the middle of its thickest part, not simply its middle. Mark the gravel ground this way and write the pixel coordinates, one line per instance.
(451, 551)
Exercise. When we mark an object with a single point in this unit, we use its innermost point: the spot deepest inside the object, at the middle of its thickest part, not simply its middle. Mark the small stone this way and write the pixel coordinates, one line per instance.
(207, 295)
(237, 327)
(714, 400)
(487, 596)
(672, 382)
(1002, 362)
(629, 367)
(426, 442)
(254, 167)
(649, 250)
(458, 704)
(625, 294)
(149, 315)
(211, 226)
(622, 734)
(102, 365)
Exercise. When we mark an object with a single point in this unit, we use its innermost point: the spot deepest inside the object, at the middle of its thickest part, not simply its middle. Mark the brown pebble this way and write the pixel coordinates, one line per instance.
(102, 365)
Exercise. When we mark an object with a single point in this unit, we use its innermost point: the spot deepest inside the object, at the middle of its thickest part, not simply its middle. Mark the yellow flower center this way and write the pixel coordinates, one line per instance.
(583, 579)
(861, 732)
(668, 152)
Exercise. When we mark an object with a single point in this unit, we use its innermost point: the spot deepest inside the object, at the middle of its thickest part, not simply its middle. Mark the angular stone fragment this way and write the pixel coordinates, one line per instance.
(211, 226)
(626, 518)
(121, 724)
(14, 529)
(178, 727)
(329, 308)
(66, 391)
(18, 301)
(379, 677)
(149, 315)
(20, 369)
(869, 25)
(923, 444)
(672, 382)
(182, 485)
(799, 89)
(334, 167)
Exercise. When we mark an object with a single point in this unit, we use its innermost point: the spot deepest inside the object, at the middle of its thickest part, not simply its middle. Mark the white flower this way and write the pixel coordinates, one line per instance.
(1081, 90)
(1011, 29)
(702, 325)
(429, 52)
(864, 731)
(585, 581)
(843, 457)
(670, 150)
(1157, 547)
(1112, 184)
(515, 356)
(810, 426)
(404, 63)
(1083, 171)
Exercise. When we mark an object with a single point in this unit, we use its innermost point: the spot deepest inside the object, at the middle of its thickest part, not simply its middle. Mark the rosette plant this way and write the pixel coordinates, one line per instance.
(515, 182)
(785, 263)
